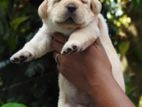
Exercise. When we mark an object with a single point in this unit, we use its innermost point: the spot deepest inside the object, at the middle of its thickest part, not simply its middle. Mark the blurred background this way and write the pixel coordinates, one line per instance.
(34, 84)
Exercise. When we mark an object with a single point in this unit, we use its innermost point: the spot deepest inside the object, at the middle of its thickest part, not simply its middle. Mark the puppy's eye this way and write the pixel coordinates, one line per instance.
(84, 1)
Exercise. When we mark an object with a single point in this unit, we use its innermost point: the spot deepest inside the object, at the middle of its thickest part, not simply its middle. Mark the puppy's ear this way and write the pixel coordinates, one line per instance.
(42, 10)
(96, 6)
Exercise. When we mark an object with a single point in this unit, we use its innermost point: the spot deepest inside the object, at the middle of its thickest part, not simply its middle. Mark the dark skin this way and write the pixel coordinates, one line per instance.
(91, 72)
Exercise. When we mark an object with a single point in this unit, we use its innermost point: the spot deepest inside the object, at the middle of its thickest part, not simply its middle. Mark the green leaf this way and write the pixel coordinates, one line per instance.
(4, 4)
(123, 47)
(17, 21)
(13, 105)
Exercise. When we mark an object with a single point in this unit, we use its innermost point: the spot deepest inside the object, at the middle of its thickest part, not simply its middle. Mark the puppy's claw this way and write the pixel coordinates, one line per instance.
(14, 60)
(74, 47)
(21, 56)
(69, 49)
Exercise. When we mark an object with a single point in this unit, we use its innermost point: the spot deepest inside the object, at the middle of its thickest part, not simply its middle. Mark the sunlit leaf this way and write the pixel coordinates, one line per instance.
(13, 105)
(123, 47)
(140, 102)
(17, 21)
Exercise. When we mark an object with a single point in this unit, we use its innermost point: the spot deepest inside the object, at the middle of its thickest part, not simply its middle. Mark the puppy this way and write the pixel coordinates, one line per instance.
(83, 22)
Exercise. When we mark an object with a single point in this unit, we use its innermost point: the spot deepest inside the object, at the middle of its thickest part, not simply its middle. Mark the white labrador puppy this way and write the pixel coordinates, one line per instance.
(82, 21)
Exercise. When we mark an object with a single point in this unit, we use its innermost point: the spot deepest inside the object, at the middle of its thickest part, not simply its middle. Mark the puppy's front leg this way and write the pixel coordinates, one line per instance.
(35, 48)
(81, 39)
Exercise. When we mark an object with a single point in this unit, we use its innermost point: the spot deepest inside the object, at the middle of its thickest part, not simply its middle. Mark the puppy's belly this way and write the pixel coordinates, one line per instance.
(70, 96)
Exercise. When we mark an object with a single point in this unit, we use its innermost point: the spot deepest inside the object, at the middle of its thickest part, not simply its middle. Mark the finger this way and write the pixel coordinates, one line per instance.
(59, 37)
(97, 42)
(56, 45)
(57, 58)
(99, 48)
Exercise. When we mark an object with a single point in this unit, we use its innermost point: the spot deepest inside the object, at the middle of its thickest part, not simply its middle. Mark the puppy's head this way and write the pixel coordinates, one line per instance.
(42, 10)
(69, 13)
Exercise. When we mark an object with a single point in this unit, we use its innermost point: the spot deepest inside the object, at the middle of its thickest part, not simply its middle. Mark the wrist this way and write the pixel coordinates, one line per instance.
(102, 81)
(105, 92)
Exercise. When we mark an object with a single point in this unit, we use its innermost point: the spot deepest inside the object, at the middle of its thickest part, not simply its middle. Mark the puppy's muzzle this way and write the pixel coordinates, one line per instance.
(71, 8)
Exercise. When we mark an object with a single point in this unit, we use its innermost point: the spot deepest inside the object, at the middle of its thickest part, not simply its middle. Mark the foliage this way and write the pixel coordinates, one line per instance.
(34, 83)
(28, 83)
(13, 105)
(124, 18)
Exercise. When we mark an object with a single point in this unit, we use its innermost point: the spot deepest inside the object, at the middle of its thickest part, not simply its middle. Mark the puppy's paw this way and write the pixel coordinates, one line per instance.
(71, 47)
(21, 56)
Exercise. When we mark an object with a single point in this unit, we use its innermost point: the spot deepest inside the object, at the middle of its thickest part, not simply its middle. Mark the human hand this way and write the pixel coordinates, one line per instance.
(91, 71)
(83, 68)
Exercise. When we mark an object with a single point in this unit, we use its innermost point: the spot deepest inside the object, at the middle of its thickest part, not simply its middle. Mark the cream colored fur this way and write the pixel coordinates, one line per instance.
(86, 26)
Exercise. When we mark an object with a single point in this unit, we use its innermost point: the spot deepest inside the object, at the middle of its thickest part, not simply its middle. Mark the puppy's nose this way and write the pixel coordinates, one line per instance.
(71, 8)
